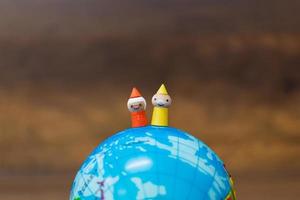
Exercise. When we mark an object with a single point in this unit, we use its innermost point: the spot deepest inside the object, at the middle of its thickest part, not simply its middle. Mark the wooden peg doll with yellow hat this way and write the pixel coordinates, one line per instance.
(161, 102)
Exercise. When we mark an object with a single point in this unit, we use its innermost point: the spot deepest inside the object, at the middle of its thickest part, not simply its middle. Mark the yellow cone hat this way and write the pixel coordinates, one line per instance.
(162, 90)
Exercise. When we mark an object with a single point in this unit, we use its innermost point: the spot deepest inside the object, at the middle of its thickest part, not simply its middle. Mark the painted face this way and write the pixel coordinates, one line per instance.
(161, 100)
(136, 104)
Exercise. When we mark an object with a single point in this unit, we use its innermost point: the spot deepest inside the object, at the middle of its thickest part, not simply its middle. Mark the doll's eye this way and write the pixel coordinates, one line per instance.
(131, 106)
(140, 104)
(154, 99)
(167, 100)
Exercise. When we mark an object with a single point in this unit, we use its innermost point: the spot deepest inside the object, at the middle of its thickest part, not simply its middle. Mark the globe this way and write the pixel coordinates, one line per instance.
(152, 162)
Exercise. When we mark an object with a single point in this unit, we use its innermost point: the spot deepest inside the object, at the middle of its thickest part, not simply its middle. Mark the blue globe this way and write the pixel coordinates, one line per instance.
(152, 163)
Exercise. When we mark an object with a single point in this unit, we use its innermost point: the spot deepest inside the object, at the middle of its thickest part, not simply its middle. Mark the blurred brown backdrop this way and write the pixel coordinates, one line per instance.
(67, 68)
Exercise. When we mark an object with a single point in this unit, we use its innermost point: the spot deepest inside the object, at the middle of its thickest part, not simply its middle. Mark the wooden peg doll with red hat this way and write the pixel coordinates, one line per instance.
(137, 105)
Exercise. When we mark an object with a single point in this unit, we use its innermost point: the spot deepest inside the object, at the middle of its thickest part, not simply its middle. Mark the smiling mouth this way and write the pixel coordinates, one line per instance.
(161, 104)
(136, 107)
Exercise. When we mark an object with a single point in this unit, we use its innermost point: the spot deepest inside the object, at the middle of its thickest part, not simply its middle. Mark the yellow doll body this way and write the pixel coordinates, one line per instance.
(160, 116)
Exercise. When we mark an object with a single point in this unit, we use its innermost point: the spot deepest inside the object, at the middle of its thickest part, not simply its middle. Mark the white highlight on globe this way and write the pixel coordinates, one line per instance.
(138, 164)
